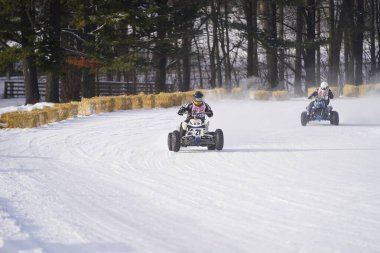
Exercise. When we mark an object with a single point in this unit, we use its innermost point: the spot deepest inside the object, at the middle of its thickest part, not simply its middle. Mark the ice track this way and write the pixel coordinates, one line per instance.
(108, 183)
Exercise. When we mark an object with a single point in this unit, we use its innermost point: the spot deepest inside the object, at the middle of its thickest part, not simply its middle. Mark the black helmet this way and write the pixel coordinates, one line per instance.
(198, 98)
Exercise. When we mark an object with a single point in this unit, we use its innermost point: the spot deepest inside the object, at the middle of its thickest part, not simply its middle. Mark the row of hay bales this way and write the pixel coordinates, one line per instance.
(90, 106)
(350, 90)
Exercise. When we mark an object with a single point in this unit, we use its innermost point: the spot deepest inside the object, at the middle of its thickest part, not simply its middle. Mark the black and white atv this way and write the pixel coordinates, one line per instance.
(319, 112)
(195, 133)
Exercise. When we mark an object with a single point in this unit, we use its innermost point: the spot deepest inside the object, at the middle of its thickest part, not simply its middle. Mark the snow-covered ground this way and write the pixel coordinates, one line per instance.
(108, 183)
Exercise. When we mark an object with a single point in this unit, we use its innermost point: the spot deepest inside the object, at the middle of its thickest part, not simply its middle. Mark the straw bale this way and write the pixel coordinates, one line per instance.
(149, 101)
(259, 94)
(236, 92)
(164, 100)
(310, 90)
(120, 103)
(21, 119)
(364, 89)
(86, 107)
(137, 101)
(101, 104)
(377, 87)
(280, 95)
(110, 104)
(350, 90)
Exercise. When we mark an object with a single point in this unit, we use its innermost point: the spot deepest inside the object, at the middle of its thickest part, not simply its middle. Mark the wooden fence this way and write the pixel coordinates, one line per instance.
(15, 88)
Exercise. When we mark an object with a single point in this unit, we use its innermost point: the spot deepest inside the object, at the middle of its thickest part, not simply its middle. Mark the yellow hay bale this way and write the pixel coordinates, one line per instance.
(136, 101)
(350, 90)
(236, 92)
(74, 109)
(65, 110)
(310, 90)
(23, 119)
(110, 104)
(177, 98)
(377, 87)
(52, 114)
(101, 103)
(280, 95)
(148, 101)
(164, 100)
(86, 107)
(42, 115)
(120, 103)
(364, 89)
(259, 94)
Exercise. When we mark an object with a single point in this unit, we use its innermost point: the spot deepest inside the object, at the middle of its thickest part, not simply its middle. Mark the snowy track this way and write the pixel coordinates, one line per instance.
(108, 183)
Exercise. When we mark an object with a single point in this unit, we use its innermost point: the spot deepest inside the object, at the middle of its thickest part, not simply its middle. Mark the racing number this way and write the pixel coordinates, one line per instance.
(197, 132)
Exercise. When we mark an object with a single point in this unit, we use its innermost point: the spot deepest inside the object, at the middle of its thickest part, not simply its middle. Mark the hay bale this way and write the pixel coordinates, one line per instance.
(21, 119)
(350, 90)
(149, 101)
(237, 92)
(87, 107)
(110, 104)
(120, 103)
(101, 104)
(310, 90)
(376, 87)
(137, 101)
(165, 100)
(259, 94)
(280, 95)
(364, 89)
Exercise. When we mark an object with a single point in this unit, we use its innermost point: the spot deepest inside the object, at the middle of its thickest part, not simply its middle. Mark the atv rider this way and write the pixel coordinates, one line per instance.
(323, 93)
(198, 108)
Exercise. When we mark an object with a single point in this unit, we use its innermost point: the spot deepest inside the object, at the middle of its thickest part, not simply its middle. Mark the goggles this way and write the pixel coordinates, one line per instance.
(198, 102)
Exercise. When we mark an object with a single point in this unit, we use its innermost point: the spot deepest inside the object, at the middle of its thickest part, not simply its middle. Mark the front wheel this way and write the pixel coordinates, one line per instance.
(219, 139)
(176, 141)
(170, 142)
(304, 118)
(334, 118)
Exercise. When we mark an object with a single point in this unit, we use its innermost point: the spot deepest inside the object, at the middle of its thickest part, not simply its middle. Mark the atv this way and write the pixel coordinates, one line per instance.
(195, 133)
(319, 112)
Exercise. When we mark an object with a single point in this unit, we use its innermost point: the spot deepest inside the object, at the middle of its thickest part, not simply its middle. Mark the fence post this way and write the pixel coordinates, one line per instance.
(6, 89)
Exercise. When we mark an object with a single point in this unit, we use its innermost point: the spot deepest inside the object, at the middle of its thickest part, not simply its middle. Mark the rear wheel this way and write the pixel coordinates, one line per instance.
(304, 118)
(334, 118)
(176, 141)
(170, 141)
(219, 139)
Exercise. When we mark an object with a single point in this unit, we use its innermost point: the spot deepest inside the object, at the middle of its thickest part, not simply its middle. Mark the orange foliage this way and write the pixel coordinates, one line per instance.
(82, 62)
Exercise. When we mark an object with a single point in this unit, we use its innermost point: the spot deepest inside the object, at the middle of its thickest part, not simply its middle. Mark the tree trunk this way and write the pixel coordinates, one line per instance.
(336, 35)
(52, 83)
(298, 60)
(186, 52)
(29, 63)
(250, 8)
(372, 39)
(212, 49)
(281, 50)
(271, 42)
(318, 24)
(226, 49)
(160, 57)
(71, 84)
(349, 43)
(310, 44)
(30, 80)
(359, 31)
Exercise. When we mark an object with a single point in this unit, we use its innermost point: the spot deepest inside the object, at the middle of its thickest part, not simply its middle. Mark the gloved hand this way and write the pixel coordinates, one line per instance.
(180, 112)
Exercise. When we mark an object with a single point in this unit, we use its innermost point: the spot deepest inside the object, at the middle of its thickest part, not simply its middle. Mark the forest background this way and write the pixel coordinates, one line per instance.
(188, 44)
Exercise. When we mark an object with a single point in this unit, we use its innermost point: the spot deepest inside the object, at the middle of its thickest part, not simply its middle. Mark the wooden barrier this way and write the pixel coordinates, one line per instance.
(15, 88)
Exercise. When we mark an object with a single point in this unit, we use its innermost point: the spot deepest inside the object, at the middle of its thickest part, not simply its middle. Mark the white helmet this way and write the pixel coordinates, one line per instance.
(324, 85)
